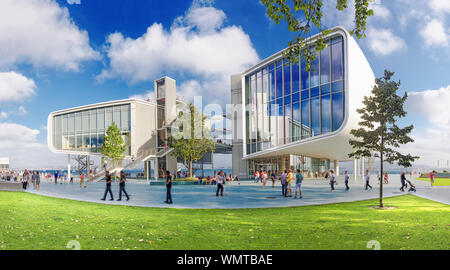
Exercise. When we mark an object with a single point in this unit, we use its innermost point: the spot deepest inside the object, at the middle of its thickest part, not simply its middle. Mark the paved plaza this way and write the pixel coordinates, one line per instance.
(237, 195)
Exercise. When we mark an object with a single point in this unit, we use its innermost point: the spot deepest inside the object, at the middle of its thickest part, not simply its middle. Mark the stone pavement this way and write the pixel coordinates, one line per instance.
(238, 195)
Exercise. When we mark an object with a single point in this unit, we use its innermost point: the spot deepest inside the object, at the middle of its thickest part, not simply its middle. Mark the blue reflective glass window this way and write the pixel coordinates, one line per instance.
(279, 82)
(280, 102)
(338, 86)
(295, 77)
(305, 113)
(265, 82)
(325, 89)
(314, 92)
(336, 61)
(315, 116)
(287, 79)
(326, 114)
(315, 71)
(272, 85)
(281, 110)
(305, 94)
(296, 97)
(338, 110)
(305, 75)
(296, 113)
(325, 65)
(287, 99)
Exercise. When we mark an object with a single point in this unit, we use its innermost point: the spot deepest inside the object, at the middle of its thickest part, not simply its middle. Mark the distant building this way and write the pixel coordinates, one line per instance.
(4, 164)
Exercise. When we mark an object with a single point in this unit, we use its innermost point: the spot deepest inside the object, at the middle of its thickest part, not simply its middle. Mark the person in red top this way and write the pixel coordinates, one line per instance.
(431, 178)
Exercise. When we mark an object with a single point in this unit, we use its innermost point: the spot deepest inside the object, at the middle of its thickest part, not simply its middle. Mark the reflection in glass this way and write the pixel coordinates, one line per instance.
(279, 82)
(295, 77)
(315, 71)
(337, 65)
(305, 118)
(305, 75)
(325, 89)
(338, 86)
(325, 65)
(315, 116)
(287, 79)
(272, 84)
(338, 110)
(326, 114)
(314, 92)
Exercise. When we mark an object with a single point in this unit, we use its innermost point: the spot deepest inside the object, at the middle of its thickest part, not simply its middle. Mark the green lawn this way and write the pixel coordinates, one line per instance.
(437, 181)
(30, 221)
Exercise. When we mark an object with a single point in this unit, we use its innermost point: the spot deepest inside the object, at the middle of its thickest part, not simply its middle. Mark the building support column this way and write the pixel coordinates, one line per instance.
(362, 166)
(156, 169)
(68, 167)
(336, 167)
(355, 169)
(88, 167)
(212, 165)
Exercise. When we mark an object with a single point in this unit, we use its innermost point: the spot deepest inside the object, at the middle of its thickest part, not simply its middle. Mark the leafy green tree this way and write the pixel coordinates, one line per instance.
(190, 138)
(113, 147)
(378, 134)
(304, 16)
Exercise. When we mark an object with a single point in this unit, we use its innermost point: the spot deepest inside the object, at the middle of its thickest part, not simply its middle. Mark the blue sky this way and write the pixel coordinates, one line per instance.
(66, 53)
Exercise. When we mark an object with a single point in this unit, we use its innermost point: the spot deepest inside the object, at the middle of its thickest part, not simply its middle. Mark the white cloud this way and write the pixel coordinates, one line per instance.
(384, 42)
(72, 2)
(440, 6)
(432, 142)
(19, 143)
(14, 87)
(41, 33)
(435, 34)
(3, 115)
(22, 110)
(197, 44)
(380, 11)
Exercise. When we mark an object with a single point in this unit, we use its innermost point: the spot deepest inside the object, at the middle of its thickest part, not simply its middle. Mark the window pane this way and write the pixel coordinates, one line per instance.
(336, 54)
(78, 122)
(272, 85)
(64, 124)
(296, 97)
(315, 116)
(326, 114)
(279, 82)
(71, 127)
(100, 140)
(287, 79)
(305, 94)
(108, 117)
(93, 120)
(265, 91)
(274, 126)
(305, 119)
(101, 119)
(287, 100)
(315, 71)
(314, 92)
(325, 65)
(325, 89)
(287, 122)
(85, 121)
(125, 117)
(338, 86)
(296, 127)
(305, 75)
(295, 77)
(338, 110)
(116, 116)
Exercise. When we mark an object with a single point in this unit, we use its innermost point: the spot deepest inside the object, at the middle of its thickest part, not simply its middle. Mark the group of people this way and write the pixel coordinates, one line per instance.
(108, 189)
(213, 180)
(31, 177)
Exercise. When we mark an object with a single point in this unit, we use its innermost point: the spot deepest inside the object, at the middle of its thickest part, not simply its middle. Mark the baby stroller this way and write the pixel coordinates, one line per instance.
(411, 186)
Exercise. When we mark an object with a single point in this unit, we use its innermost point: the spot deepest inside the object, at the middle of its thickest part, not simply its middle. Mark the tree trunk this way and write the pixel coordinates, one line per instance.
(381, 180)
(190, 168)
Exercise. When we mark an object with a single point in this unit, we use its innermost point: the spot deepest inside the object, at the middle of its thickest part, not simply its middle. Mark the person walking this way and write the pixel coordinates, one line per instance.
(38, 181)
(82, 182)
(25, 179)
(346, 178)
(432, 178)
(386, 178)
(56, 177)
(283, 183)
(108, 186)
(256, 177)
(220, 181)
(367, 180)
(332, 179)
(298, 184)
(403, 181)
(123, 179)
(168, 188)
(289, 178)
(33, 180)
(264, 178)
(273, 177)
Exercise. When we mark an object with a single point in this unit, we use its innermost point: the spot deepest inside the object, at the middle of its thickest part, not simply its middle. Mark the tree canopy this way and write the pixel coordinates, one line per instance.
(378, 134)
(305, 16)
(113, 147)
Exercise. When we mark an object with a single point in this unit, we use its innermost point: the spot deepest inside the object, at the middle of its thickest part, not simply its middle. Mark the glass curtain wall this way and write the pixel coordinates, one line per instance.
(286, 103)
(85, 130)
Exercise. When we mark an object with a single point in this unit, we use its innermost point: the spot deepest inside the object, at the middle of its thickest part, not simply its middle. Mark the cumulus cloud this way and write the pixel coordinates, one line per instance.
(19, 143)
(435, 34)
(41, 33)
(439, 6)
(197, 44)
(432, 142)
(384, 42)
(3, 115)
(15, 87)
(74, 2)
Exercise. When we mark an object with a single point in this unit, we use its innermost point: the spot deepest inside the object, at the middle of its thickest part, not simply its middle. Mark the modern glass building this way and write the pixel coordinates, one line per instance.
(291, 114)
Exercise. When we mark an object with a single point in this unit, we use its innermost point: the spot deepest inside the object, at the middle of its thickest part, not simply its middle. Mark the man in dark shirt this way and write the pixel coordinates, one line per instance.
(123, 179)
(169, 187)
(403, 181)
(108, 186)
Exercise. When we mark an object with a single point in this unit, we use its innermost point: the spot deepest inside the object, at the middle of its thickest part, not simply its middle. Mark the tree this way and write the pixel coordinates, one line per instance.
(378, 134)
(113, 147)
(305, 16)
(189, 137)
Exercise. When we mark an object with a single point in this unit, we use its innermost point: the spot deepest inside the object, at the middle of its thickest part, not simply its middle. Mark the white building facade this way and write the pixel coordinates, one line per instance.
(295, 119)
